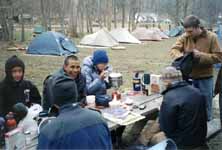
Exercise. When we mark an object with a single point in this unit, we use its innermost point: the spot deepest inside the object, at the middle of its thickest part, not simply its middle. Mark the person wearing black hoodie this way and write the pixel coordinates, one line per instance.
(13, 87)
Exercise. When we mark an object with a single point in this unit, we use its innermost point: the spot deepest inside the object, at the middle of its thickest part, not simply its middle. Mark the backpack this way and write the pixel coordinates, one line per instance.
(47, 93)
(184, 64)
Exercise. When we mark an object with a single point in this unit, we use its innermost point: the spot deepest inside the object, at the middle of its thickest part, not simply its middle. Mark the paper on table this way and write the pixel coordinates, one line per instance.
(130, 117)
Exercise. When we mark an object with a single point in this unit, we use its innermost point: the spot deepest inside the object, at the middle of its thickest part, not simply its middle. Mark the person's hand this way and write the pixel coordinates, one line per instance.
(196, 53)
(102, 75)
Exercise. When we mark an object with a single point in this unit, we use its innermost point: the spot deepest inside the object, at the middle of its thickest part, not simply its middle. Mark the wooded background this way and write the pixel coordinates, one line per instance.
(77, 17)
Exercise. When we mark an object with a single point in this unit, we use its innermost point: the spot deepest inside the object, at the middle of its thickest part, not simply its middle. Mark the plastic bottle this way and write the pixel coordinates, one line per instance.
(136, 82)
(27, 98)
(10, 121)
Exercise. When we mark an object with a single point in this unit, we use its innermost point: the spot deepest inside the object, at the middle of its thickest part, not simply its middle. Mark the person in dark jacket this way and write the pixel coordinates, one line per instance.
(183, 116)
(71, 69)
(96, 70)
(75, 127)
(13, 87)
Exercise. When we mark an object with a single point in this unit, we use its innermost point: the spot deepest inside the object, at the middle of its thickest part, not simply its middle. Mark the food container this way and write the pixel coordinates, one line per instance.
(116, 79)
(156, 83)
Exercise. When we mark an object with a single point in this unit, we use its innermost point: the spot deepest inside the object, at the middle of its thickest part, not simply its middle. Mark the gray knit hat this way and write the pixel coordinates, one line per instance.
(171, 74)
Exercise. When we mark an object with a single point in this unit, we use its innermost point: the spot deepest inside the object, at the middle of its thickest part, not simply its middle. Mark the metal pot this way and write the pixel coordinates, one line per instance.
(116, 79)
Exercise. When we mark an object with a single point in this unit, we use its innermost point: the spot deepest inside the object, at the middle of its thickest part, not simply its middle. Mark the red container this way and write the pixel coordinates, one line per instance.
(117, 94)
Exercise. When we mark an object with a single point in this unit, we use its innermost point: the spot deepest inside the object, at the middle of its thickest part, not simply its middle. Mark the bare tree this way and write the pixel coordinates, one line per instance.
(73, 20)
(109, 13)
(22, 27)
(123, 4)
(6, 19)
(80, 14)
(115, 13)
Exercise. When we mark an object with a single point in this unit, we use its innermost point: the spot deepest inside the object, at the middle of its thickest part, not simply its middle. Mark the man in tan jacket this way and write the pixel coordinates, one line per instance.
(206, 51)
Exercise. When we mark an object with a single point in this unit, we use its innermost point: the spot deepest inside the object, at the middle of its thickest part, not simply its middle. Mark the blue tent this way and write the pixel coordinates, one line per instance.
(176, 31)
(51, 43)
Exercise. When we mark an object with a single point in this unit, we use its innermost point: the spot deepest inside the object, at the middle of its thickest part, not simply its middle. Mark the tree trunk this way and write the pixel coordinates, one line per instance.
(177, 12)
(49, 14)
(186, 5)
(109, 14)
(44, 20)
(5, 30)
(129, 17)
(11, 29)
(23, 27)
(61, 15)
(99, 14)
(73, 19)
(81, 15)
(6, 21)
(123, 13)
(115, 13)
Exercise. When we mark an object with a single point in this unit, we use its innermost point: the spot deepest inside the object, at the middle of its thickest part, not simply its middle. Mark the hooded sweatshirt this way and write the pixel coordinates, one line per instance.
(12, 92)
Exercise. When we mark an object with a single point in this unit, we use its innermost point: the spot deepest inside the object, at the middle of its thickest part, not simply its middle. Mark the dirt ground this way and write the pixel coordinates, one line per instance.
(150, 57)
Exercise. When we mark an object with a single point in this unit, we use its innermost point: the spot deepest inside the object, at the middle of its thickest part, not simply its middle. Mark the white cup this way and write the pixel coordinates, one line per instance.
(90, 99)
(114, 104)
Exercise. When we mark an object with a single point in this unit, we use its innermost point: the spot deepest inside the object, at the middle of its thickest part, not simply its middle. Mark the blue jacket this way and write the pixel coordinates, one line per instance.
(75, 128)
(183, 115)
(94, 85)
(51, 79)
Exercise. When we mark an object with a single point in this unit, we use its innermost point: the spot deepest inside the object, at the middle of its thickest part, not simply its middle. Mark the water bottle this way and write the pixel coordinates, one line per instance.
(10, 121)
(145, 83)
(136, 82)
(27, 97)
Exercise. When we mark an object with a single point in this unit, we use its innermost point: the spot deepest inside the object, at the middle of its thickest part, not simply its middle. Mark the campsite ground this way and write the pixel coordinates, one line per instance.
(150, 57)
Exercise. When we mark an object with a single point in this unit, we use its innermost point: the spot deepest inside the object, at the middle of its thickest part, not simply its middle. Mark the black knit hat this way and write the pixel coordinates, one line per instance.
(20, 111)
(12, 62)
(64, 91)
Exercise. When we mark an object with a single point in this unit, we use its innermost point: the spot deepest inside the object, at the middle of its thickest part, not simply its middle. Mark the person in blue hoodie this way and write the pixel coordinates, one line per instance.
(96, 70)
(75, 127)
(72, 70)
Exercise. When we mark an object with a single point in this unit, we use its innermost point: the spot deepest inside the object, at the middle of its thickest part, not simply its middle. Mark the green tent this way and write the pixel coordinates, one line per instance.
(38, 29)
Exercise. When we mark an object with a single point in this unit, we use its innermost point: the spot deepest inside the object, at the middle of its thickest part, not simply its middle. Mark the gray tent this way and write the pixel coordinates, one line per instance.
(122, 35)
(144, 34)
(99, 38)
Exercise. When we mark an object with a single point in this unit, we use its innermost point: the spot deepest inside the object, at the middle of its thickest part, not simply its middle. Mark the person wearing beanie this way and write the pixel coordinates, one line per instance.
(75, 127)
(71, 70)
(183, 116)
(13, 87)
(96, 70)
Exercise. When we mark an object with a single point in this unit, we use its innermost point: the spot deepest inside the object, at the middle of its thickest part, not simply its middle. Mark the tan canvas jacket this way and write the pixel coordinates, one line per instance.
(206, 43)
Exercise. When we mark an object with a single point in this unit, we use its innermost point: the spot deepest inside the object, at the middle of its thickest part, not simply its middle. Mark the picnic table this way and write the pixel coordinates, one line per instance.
(152, 103)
